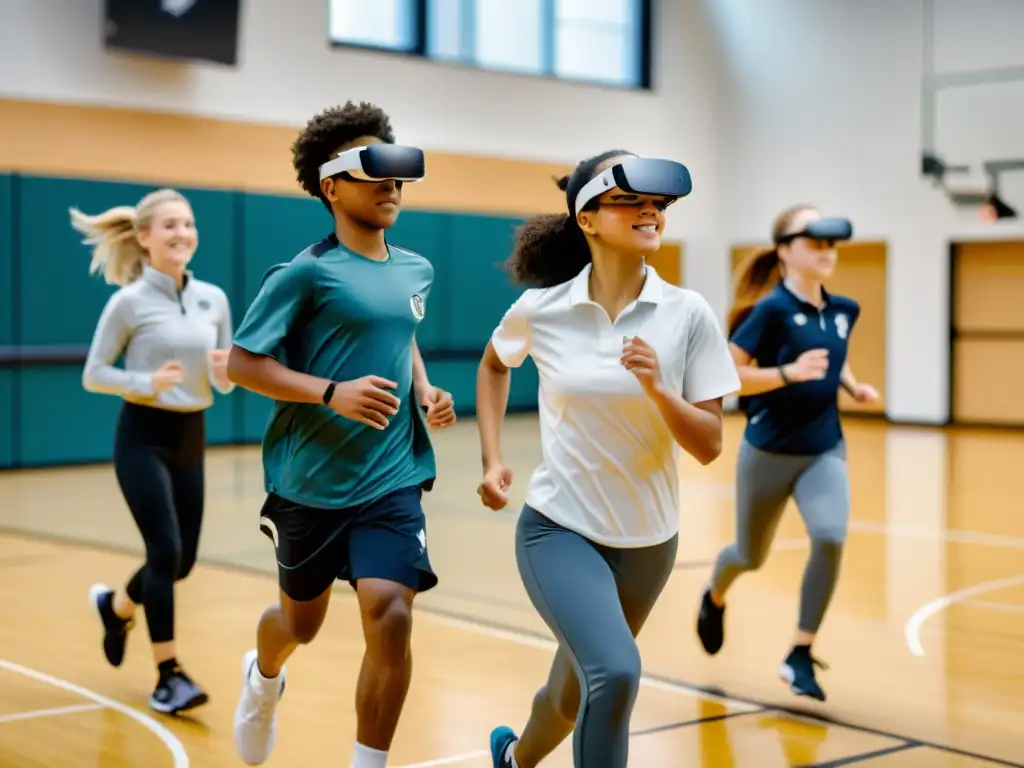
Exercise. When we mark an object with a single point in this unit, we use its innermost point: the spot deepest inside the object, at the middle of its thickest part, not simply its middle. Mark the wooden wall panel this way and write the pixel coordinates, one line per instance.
(861, 275)
(988, 333)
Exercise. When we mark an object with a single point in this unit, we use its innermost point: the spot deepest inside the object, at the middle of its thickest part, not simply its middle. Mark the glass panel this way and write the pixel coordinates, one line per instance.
(508, 34)
(381, 23)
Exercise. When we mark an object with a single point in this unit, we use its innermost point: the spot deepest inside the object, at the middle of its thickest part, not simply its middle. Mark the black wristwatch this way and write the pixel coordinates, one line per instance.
(329, 392)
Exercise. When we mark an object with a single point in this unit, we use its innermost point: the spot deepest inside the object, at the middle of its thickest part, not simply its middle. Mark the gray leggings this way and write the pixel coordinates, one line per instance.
(595, 599)
(764, 483)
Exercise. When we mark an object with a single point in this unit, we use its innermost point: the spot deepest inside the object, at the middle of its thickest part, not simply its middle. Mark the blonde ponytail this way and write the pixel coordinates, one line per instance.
(117, 252)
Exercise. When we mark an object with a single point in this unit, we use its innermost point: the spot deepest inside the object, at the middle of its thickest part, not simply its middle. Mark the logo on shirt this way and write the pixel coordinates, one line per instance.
(204, 304)
(842, 325)
(800, 318)
(416, 302)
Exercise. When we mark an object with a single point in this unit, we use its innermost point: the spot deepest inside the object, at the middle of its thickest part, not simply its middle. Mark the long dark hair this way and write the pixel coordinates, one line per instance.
(760, 272)
(551, 249)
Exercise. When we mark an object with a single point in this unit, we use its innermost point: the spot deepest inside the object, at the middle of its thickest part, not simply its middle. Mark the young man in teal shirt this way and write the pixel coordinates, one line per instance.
(331, 338)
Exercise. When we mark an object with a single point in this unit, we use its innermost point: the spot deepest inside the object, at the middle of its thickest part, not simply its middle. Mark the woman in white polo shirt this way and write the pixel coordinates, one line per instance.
(632, 369)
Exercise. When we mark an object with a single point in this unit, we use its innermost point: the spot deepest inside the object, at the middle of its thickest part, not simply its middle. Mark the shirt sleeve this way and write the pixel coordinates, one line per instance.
(113, 332)
(751, 333)
(512, 338)
(710, 371)
(224, 331)
(286, 291)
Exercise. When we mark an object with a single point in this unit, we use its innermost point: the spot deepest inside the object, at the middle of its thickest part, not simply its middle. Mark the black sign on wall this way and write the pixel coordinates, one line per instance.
(181, 29)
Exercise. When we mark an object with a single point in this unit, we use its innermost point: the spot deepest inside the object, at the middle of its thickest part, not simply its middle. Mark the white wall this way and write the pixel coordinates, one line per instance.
(825, 107)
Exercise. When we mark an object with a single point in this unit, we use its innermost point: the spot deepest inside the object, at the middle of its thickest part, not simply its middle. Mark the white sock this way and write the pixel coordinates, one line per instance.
(510, 754)
(364, 757)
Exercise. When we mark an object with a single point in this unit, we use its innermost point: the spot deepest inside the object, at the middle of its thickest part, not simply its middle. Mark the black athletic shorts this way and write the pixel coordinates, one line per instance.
(382, 539)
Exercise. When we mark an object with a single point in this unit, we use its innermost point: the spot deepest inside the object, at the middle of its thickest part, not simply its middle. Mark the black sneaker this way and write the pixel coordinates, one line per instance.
(115, 629)
(176, 693)
(798, 671)
(711, 624)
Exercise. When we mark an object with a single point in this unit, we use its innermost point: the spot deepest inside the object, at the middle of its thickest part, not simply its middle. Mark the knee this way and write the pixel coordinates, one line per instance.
(387, 623)
(185, 566)
(164, 560)
(751, 560)
(828, 540)
(618, 680)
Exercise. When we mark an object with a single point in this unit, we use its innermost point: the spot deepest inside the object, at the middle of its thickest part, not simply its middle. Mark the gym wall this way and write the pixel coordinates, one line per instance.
(86, 127)
(52, 305)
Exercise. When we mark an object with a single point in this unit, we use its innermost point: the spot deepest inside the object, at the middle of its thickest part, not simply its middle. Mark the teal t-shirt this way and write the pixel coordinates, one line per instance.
(335, 314)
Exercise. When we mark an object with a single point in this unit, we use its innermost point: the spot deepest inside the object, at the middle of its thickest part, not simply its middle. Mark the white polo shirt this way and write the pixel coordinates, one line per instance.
(609, 469)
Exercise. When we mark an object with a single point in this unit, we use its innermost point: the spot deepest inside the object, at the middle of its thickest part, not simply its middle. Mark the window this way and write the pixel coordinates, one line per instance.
(508, 35)
(604, 41)
(599, 40)
(390, 24)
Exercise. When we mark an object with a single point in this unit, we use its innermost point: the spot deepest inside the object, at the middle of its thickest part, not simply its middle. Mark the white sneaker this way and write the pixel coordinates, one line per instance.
(255, 716)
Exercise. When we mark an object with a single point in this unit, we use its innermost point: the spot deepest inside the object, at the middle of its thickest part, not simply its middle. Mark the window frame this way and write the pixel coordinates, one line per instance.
(467, 48)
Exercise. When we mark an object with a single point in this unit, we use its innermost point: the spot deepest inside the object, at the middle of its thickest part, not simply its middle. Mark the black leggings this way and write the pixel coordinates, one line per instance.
(158, 458)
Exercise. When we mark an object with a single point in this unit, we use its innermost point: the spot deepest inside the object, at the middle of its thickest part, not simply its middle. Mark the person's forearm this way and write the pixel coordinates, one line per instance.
(756, 381)
(492, 386)
(848, 380)
(697, 431)
(265, 376)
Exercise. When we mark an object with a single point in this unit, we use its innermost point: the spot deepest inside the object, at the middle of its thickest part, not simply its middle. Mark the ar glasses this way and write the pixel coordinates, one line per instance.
(829, 230)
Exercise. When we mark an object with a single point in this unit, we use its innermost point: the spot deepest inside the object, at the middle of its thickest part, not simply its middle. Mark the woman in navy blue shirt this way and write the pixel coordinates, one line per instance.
(789, 339)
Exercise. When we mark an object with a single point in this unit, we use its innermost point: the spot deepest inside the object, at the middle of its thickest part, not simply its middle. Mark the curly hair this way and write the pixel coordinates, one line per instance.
(330, 129)
(551, 249)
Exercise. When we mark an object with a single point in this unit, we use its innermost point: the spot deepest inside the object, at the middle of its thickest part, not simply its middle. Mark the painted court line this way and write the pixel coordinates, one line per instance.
(525, 638)
(912, 630)
(450, 760)
(37, 713)
(174, 746)
(534, 641)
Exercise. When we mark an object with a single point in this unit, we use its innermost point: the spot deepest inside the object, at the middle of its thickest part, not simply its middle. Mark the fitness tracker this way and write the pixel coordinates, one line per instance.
(329, 393)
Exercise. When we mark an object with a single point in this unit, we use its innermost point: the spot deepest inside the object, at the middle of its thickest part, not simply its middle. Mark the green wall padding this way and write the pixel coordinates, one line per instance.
(7, 308)
(54, 301)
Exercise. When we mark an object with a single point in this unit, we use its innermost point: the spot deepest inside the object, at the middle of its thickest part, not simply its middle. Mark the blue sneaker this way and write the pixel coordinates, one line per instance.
(503, 740)
(798, 671)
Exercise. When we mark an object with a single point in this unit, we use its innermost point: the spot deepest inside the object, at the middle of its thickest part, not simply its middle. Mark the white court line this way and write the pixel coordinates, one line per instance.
(169, 740)
(912, 630)
(451, 760)
(523, 638)
(37, 713)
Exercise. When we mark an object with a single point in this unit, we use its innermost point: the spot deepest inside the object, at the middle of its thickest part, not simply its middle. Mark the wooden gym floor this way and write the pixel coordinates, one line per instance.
(925, 638)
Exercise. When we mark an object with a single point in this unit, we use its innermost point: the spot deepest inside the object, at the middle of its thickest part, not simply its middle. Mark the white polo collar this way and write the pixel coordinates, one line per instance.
(651, 293)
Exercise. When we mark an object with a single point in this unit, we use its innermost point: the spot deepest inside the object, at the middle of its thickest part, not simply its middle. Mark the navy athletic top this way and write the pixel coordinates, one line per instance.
(802, 417)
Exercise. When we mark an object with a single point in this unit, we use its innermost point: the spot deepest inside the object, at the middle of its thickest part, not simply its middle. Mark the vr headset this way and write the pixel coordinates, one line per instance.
(377, 162)
(830, 230)
(639, 176)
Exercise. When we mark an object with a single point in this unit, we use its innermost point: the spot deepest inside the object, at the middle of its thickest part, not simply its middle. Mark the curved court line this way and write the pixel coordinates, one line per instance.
(912, 630)
(535, 641)
(169, 740)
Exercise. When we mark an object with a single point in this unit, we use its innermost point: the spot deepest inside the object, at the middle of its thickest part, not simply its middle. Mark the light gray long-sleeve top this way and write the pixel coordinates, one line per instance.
(152, 323)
